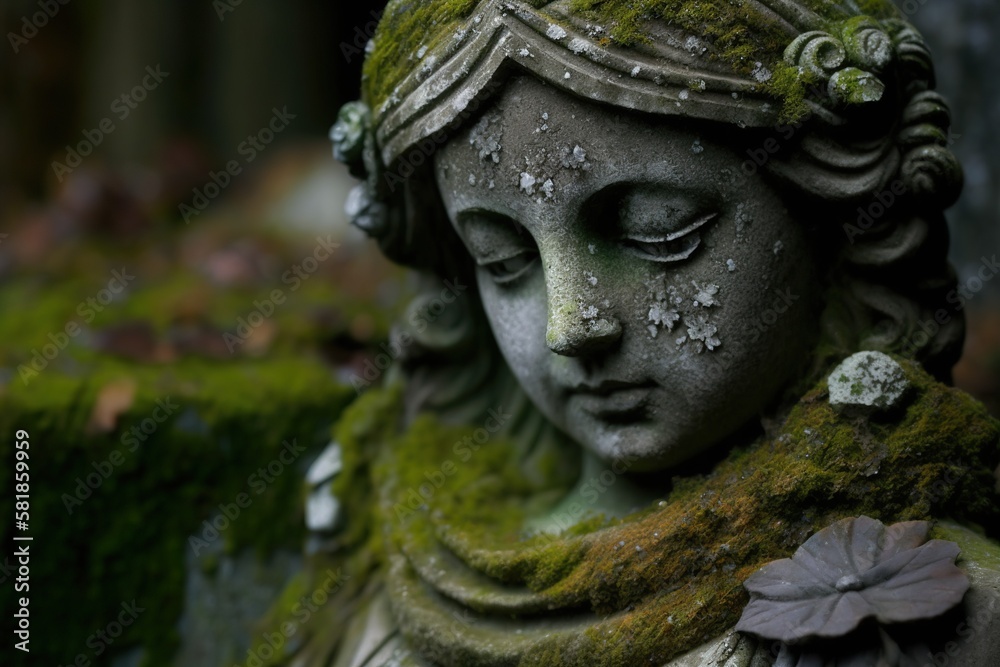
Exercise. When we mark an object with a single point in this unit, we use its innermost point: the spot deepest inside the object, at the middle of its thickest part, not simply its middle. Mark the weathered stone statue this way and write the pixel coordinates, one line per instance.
(676, 393)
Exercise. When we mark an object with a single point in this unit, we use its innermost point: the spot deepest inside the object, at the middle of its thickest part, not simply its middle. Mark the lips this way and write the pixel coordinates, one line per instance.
(613, 400)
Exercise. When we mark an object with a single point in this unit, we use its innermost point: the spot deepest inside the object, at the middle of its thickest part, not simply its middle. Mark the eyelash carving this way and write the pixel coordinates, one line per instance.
(674, 247)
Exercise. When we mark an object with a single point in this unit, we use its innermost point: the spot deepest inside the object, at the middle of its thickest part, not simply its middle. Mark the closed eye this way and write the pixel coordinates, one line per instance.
(674, 247)
(665, 251)
(505, 271)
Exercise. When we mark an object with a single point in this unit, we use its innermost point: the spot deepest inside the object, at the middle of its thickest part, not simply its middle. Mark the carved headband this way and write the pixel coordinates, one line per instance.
(753, 63)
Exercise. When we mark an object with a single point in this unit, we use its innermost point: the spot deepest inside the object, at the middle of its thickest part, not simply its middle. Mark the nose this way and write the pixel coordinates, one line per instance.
(577, 339)
(576, 328)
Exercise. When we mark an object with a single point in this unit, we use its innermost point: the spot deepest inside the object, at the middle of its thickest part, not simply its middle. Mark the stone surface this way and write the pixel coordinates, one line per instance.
(225, 596)
(867, 383)
(326, 466)
(652, 291)
(322, 509)
(624, 264)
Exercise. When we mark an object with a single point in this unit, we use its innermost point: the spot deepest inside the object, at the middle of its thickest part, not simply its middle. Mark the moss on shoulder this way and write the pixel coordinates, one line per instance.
(685, 560)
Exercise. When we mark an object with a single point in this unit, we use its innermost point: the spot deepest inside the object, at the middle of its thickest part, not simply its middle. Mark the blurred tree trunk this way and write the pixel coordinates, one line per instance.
(227, 70)
(962, 35)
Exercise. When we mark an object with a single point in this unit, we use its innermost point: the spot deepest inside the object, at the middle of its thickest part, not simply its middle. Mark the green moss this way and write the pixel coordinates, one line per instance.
(977, 549)
(742, 34)
(405, 28)
(879, 9)
(686, 560)
(365, 429)
(130, 537)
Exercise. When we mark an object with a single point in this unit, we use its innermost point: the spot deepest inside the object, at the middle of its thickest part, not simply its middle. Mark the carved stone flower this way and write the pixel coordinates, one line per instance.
(349, 133)
(854, 570)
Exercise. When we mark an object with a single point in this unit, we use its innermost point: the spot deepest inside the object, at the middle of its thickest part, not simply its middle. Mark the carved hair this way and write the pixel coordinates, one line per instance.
(866, 162)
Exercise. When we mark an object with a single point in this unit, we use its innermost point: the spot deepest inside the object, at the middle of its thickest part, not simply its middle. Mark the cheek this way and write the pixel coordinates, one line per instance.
(740, 306)
(518, 316)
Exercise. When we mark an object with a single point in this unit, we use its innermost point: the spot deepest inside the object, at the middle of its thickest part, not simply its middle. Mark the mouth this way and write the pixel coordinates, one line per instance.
(614, 401)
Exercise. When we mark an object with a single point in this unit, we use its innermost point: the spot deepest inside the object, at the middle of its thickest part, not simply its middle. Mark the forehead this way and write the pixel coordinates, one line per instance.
(534, 142)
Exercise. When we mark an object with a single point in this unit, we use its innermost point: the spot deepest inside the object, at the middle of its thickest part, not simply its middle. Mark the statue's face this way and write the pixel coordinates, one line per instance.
(649, 302)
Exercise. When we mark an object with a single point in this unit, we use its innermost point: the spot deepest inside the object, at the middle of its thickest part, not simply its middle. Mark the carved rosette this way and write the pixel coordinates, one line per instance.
(354, 145)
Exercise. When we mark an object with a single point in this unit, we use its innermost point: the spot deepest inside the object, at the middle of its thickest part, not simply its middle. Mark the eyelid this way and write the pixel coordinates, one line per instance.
(502, 257)
(673, 236)
(491, 236)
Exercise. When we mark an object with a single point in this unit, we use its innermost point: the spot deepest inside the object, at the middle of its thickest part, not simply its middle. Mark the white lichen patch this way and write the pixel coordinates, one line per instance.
(684, 94)
(486, 138)
(636, 71)
(662, 316)
(578, 46)
(705, 295)
(743, 219)
(664, 302)
(702, 332)
(544, 127)
(472, 179)
(463, 99)
(778, 247)
(549, 188)
(868, 382)
(575, 158)
(556, 32)
(525, 53)
(760, 73)
(591, 278)
(527, 183)
(730, 265)
(695, 45)
(592, 249)
(696, 147)
(427, 68)
(589, 312)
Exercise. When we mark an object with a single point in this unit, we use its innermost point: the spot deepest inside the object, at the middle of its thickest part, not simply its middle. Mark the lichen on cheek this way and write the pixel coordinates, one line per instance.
(685, 309)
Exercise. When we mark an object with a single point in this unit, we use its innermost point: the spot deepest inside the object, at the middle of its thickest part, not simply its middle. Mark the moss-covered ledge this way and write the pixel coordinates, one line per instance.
(113, 513)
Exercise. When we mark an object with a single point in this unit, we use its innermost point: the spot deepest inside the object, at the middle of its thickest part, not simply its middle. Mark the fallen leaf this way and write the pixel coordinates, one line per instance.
(113, 400)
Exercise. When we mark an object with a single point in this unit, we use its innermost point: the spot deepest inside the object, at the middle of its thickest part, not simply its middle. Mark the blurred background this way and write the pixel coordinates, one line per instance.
(183, 305)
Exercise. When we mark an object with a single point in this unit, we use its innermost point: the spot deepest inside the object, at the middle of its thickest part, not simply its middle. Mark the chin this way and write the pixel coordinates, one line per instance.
(641, 448)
